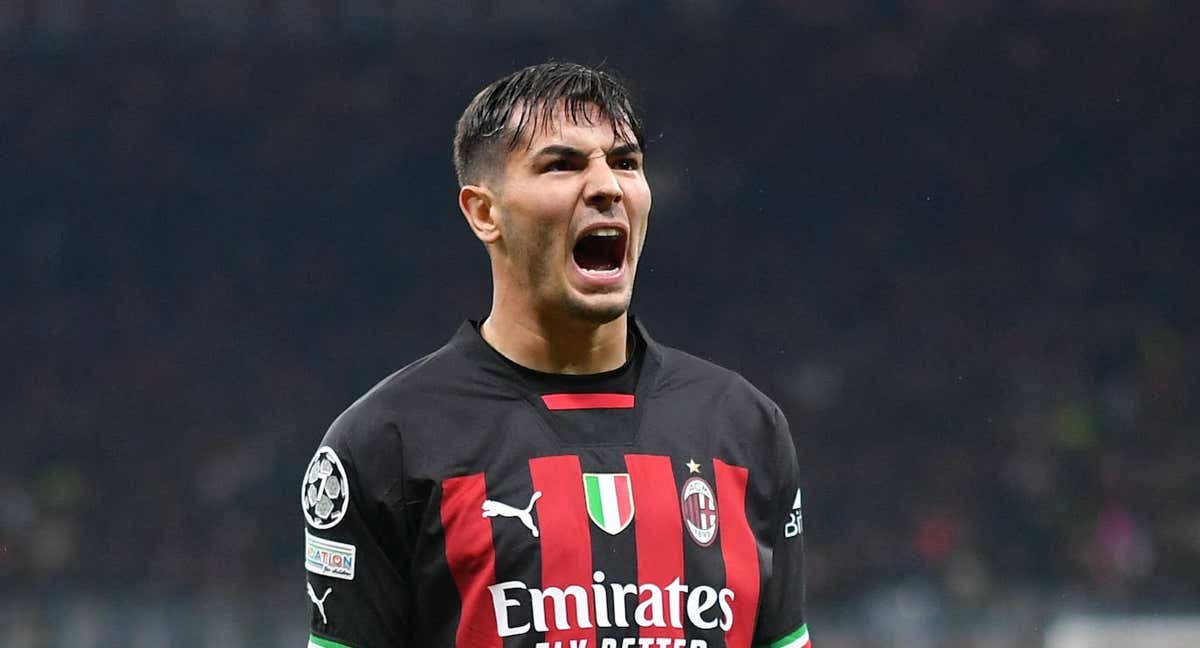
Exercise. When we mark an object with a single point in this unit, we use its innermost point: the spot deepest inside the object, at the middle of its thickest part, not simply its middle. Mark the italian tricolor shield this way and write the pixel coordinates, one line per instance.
(609, 500)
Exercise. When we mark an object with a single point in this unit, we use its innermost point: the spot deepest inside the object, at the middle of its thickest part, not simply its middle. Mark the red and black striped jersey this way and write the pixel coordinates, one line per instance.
(467, 502)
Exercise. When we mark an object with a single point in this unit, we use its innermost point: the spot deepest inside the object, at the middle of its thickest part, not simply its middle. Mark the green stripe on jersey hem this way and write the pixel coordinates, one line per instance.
(798, 638)
(320, 642)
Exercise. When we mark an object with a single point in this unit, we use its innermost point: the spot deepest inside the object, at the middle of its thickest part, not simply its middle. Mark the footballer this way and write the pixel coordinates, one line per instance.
(553, 477)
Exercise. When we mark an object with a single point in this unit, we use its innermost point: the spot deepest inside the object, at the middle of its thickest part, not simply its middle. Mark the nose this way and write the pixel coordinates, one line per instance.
(602, 189)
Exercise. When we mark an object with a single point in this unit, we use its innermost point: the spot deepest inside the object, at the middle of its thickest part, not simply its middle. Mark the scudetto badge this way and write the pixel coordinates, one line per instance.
(324, 493)
(699, 507)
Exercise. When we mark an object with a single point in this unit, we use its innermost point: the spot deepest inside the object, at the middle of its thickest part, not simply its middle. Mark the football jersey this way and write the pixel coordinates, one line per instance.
(468, 501)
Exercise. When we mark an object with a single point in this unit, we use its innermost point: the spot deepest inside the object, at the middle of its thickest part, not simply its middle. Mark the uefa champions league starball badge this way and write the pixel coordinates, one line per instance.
(324, 494)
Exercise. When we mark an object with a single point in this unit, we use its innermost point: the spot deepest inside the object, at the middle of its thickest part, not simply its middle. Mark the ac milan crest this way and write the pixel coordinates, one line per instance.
(699, 507)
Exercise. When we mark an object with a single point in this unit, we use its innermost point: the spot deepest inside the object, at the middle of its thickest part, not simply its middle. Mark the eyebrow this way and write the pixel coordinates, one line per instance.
(624, 149)
(570, 151)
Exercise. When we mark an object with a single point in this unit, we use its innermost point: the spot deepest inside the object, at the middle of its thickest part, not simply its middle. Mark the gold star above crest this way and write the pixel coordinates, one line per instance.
(693, 467)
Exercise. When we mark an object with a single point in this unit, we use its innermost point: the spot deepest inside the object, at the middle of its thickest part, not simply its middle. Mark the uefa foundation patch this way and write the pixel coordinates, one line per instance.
(328, 558)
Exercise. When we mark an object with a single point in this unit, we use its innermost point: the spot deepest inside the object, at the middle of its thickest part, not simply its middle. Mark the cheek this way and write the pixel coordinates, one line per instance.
(638, 203)
(637, 194)
(546, 225)
(548, 242)
(535, 239)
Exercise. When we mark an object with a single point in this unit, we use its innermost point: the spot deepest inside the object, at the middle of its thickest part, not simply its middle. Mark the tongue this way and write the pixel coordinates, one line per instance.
(598, 253)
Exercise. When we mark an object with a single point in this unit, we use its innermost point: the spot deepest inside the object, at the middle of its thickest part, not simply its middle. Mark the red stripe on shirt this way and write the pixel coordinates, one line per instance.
(565, 540)
(587, 401)
(739, 551)
(659, 534)
(471, 557)
(624, 504)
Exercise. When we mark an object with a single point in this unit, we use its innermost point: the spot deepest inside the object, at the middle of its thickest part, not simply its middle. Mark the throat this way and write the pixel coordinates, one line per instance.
(558, 348)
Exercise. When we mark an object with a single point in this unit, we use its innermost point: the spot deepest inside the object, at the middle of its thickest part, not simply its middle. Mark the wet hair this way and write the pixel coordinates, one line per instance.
(483, 137)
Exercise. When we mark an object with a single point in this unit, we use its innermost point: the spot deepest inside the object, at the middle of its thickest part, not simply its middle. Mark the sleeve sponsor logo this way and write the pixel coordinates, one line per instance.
(795, 523)
(328, 558)
(324, 492)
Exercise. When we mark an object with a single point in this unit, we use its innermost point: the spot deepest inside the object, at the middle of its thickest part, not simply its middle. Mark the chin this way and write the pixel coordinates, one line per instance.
(599, 309)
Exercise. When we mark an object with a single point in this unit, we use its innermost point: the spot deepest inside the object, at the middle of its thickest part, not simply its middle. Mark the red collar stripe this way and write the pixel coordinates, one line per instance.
(587, 401)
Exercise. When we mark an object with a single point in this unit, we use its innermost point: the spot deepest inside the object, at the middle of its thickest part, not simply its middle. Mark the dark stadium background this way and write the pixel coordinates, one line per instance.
(956, 242)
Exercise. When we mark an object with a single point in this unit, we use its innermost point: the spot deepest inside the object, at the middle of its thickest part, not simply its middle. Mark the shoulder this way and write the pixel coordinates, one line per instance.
(749, 426)
(417, 388)
(746, 428)
(702, 379)
(374, 438)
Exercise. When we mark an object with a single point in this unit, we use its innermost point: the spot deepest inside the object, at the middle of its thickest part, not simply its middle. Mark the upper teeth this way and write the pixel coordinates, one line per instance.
(606, 231)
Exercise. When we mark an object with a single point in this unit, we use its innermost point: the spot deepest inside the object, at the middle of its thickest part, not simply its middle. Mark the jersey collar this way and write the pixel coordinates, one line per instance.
(470, 343)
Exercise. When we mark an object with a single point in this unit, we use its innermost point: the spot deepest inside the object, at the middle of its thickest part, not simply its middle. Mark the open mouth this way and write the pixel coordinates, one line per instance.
(600, 251)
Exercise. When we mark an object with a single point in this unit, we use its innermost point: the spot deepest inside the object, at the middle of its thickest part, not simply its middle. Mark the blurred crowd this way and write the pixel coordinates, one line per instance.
(956, 245)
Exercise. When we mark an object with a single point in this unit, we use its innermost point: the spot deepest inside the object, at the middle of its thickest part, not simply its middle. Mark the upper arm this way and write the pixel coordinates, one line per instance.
(356, 567)
(781, 621)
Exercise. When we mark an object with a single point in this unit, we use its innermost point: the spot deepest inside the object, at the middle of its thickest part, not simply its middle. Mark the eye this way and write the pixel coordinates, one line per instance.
(561, 164)
(628, 164)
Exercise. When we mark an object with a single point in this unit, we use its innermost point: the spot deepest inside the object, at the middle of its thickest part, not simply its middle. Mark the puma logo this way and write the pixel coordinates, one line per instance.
(492, 508)
(320, 603)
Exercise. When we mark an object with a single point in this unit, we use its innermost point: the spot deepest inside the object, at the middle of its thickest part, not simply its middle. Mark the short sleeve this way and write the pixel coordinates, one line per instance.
(355, 557)
(781, 622)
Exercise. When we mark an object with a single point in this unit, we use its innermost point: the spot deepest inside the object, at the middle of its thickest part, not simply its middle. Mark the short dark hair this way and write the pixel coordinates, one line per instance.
(479, 142)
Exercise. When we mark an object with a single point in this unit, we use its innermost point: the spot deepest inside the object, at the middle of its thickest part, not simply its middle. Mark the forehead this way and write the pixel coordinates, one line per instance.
(582, 125)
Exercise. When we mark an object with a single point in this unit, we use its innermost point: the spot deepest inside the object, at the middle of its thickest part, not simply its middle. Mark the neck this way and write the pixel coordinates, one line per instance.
(557, 343)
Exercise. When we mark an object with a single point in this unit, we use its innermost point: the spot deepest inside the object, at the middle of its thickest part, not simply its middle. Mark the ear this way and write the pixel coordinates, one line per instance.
(477, 206)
